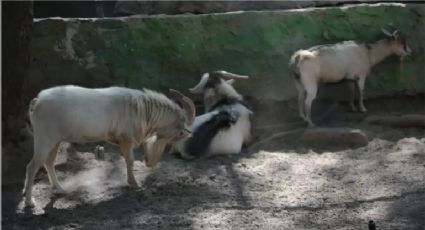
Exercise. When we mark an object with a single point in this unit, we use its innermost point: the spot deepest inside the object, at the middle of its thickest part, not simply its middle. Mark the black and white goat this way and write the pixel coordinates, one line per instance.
(347, 60)
(226, 125)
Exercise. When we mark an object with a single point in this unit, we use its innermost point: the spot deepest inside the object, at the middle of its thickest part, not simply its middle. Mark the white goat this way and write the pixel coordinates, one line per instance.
(342, 61)
(125, 117)
(225, 126)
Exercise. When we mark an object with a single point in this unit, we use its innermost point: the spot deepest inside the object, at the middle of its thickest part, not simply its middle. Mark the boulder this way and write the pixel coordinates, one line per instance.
(334, 138)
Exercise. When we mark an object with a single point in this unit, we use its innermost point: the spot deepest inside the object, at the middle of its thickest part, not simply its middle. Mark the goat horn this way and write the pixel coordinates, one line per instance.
(395, 33)
(200, 86)
(386, 32)
(228, 75)
(187, 104)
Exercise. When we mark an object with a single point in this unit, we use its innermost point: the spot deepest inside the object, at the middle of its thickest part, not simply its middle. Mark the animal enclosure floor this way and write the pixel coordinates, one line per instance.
(277, 183)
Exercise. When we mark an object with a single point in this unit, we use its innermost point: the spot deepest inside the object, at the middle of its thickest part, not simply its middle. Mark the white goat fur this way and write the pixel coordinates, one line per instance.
(227, 141)
(333, 63)
(231, 140)
(118, 115)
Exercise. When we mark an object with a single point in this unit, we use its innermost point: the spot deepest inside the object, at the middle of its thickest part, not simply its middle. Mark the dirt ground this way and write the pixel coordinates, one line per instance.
(276, 183)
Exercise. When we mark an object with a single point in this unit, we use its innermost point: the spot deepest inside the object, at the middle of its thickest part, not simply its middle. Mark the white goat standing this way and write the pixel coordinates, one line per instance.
(342, 61)
(225, 126)
(121, 116)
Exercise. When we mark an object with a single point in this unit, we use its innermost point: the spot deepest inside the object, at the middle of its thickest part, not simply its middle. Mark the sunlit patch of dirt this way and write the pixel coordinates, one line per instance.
(278, 184)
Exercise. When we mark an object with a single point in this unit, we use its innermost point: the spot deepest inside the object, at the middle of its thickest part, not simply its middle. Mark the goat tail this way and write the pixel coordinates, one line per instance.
(31, 109)
(296, 60)
(32, 105)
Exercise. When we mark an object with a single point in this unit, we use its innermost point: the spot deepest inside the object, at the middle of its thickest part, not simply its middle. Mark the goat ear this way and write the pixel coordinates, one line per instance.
(388, 34)
(230, 81)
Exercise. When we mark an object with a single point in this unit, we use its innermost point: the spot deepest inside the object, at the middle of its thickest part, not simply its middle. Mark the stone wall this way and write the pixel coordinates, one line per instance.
(112, 8)
(203, 7)
(161, 52)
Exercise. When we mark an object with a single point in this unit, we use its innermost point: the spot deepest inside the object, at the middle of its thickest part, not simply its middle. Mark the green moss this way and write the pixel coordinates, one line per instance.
(167, 52)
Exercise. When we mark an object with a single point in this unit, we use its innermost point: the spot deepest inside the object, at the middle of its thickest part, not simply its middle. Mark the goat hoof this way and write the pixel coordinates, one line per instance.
(133, 184)
(29, 203)
(150, 165)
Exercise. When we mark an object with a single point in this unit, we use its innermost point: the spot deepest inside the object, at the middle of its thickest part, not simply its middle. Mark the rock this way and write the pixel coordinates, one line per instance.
(410, 120)
(99, 153)
(334, 137)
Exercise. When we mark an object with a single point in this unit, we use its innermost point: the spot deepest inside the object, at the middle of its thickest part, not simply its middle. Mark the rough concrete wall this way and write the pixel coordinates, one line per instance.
(90, 8)
(197, 7)
(173, 51)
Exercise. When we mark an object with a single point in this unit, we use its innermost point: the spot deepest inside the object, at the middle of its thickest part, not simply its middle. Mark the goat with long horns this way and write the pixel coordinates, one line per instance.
(226, 125)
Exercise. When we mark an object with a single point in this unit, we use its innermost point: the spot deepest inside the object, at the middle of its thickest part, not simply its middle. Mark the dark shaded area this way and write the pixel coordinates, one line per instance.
(71, 9)
(16, 38)
(16, 30)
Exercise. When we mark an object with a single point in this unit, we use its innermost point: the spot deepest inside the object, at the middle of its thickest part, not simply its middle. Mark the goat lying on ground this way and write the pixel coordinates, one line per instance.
(342, 61)
(225, 126)
(125, 117)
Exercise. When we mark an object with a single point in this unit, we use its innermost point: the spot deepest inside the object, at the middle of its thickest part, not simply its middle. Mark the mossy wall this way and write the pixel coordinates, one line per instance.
(164, 52)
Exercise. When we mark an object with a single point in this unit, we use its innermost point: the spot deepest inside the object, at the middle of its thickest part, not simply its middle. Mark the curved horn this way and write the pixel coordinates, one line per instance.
(187, 103)
(228, 75)
(200, 86)
(386, 32)
(395, 33)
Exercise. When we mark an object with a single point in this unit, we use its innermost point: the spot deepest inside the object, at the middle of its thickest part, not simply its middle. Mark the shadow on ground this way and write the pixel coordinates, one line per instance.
(279, 184)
